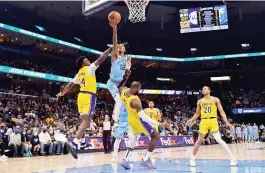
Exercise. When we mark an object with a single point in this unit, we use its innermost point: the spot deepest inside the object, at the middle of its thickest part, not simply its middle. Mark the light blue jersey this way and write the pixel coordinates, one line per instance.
(250, 129)
(117, 70)
(245, 132)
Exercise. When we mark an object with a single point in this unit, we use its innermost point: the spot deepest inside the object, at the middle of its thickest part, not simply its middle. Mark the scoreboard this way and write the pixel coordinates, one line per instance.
(203, 19)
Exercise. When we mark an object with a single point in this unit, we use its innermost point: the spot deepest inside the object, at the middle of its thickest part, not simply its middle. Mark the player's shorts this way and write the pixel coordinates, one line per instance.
(138, 127)
(86, 103)
(208, 125)
(245, 135)
(113, 87)
(123, 128)
(256, 135)
(238, 134)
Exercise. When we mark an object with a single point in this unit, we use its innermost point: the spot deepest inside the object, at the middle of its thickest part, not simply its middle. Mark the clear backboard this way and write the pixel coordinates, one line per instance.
(92, 6)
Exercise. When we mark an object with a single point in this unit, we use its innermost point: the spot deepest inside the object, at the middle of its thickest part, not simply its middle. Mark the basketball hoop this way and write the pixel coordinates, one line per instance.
(136, 10)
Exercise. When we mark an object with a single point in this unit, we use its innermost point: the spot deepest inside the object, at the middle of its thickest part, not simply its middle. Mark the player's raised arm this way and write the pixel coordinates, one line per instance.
(137, 105)
(197, 113)
(221, 110)
(68, 87)
(114, 53)
(103, 57)
(125, 78)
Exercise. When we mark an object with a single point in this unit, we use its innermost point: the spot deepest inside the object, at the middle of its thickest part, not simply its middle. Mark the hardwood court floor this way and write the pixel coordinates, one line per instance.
(210, 159)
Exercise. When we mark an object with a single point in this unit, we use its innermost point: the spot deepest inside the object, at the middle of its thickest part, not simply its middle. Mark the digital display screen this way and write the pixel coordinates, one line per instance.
(203, 19)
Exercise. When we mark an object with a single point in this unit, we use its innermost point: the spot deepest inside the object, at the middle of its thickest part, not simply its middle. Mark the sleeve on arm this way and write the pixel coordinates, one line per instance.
(92, 69)
(75, 80)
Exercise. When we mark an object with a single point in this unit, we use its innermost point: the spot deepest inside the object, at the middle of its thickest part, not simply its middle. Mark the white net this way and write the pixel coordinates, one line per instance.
(136, 10)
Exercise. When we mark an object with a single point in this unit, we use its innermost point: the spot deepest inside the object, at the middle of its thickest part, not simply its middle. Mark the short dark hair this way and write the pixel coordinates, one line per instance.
(79, 62)
(209, 88)
(135, 84)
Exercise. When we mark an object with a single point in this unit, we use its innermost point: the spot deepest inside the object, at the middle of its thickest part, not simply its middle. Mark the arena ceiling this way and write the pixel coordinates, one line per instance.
(245, 25)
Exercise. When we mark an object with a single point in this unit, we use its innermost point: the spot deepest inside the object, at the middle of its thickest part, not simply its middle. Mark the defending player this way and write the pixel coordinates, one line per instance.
(139, 123)
(207, 109)
(86, 101)
(153, 113)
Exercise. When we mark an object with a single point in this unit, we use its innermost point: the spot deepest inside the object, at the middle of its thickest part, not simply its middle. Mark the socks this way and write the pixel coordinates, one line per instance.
(77, 142)
(218, 138)
(116, 147)
(147, 156)
(192, 157)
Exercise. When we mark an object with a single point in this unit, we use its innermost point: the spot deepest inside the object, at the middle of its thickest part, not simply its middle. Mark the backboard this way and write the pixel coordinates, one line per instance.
(92, 6)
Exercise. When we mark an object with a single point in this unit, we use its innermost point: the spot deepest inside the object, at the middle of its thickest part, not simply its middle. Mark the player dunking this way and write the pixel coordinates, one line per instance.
(86, 101)
(119, 64)
(139, 123)
(207, 109)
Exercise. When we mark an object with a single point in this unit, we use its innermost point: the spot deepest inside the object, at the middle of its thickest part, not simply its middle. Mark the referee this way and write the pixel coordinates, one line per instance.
(106, 135)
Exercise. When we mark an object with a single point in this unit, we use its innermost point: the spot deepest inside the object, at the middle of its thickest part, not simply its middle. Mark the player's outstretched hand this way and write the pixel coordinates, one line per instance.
(113, 23)
(127, 73)
(59, 95)
(189, 122)
(229, 125)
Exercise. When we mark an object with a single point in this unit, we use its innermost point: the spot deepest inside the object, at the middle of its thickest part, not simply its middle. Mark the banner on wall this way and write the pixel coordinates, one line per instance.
(249, 110)
(96, 143)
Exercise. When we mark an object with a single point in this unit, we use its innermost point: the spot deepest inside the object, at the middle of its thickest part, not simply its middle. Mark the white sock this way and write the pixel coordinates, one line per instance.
(117, 108)
(218, 138)
(147, 156)
(116, 147)
(192, 157)
(76, 141)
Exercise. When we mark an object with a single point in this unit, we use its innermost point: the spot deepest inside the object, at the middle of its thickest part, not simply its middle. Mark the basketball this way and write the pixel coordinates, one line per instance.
(114, 15)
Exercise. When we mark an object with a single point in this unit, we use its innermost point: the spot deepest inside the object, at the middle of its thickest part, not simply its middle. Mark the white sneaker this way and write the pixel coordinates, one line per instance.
(192, 163)
(4, 157)
(233, 162)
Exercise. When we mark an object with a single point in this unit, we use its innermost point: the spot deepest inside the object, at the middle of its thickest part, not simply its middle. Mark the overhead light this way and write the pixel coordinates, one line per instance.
(45, 48)
(163, 79)
(194, 49)
(159, 49)
(221, 78)
(109, 45)
(42, 29)
(78, 39)
(61, 50)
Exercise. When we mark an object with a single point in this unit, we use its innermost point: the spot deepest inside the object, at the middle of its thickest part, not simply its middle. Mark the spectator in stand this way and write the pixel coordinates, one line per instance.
(35, 143)
(262, 138)
(15, 142)
(26, 145)
(60, 140)
(2, 143)
(45, 141)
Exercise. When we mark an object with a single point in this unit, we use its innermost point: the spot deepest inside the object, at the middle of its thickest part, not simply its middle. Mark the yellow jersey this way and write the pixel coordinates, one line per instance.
(153, 113)
(208, 108)
(86, 78)
(132, 113)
